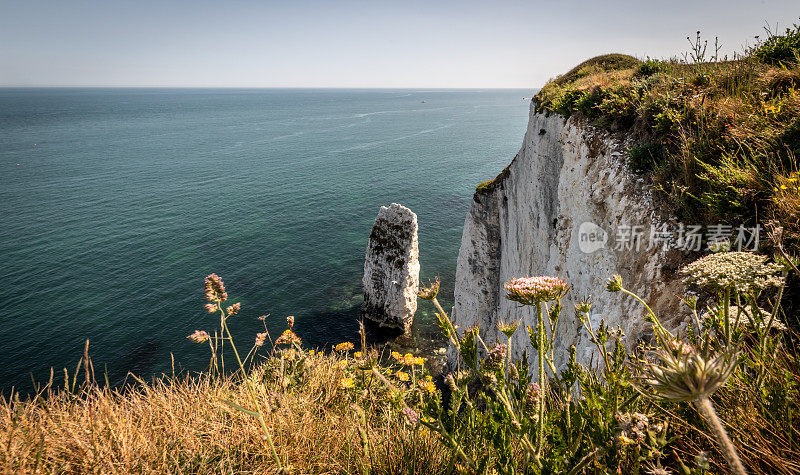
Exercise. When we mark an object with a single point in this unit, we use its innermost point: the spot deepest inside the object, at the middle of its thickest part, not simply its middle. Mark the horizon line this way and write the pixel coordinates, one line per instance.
(122, 86)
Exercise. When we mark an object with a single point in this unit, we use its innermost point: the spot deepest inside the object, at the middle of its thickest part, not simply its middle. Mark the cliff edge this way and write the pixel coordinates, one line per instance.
(567, 205)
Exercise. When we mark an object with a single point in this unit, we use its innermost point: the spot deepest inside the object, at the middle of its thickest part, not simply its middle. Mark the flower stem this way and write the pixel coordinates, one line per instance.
(706, 409)
(252, 395)
(540, 422)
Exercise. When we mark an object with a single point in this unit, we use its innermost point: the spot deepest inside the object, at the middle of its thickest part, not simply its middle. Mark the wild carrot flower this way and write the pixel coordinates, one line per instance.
(736, 271)
(508, 328)
(347, 383)
(260, 337)
(529, 290)
(215, 289)
(682, 374)
(290, 321)
(287, 338)
(614, 283)
(346, 346)
(429, 292)
(199, 336)
(584, 306)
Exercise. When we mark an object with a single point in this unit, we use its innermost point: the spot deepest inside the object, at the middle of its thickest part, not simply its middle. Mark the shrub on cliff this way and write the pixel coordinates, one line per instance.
(729, 131)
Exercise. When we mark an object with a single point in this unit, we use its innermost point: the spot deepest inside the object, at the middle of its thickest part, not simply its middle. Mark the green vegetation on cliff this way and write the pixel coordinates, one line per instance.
(720, 138)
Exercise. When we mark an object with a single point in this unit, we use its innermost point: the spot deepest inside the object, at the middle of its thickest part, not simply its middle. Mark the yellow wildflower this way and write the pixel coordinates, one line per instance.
(419, 361)
(342, 364)
(288, 337)
(401, 376)
(347, 383)
(346, 346)
(428, 387)
(358, 354)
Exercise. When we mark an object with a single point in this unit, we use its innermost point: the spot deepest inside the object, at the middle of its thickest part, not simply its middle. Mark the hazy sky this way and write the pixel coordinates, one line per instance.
(399, 43)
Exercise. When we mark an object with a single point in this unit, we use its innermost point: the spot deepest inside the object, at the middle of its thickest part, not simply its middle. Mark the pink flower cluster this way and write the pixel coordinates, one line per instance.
(529, 290)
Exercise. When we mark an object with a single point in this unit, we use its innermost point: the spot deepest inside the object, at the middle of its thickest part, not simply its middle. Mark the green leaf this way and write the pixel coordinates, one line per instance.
(240, 408)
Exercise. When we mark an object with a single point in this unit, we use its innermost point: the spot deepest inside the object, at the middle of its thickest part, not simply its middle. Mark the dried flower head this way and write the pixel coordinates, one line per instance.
(233, 310)
(210, 307)
(532, 395)
(633, 426)
(529, 290)
(287, 338)
(290, 321)
(199, 336)
(508, 328)
(346, 346)
(496, 357)
(450, 381)
(681, 373)
(411, 416)
(429, 292)
(260, 337)
(263, 317)
(737, 271)
(214, 289)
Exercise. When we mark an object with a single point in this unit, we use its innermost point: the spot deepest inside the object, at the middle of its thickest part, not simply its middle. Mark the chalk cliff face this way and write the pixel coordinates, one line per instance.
(391, 268)
(556, 210)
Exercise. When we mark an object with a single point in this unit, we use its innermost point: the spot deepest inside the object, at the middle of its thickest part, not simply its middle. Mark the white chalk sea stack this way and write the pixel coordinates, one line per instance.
(391, 268)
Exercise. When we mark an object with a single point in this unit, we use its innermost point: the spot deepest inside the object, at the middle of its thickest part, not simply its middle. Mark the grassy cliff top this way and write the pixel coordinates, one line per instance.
(719, 138)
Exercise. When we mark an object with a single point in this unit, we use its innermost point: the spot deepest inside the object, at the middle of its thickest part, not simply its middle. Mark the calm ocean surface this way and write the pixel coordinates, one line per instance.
(117, 202)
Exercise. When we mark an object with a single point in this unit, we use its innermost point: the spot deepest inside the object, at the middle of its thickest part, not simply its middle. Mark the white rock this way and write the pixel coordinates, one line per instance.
(391, 268)
(527, 223)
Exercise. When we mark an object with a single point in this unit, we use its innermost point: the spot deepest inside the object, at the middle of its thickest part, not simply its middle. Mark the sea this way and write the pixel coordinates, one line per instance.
(117, 202)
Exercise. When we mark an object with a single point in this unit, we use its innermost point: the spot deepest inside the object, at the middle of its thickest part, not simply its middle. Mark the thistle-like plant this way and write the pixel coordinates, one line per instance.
(681, 373)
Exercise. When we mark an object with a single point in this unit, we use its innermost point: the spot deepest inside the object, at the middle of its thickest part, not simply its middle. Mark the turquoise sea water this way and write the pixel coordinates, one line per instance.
(117, 202)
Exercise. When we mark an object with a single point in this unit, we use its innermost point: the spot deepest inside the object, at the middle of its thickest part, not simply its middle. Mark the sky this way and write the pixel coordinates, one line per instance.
(360, 44)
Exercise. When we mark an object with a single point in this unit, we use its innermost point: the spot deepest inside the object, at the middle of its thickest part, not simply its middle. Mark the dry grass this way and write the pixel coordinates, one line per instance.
(185, 425)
